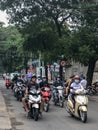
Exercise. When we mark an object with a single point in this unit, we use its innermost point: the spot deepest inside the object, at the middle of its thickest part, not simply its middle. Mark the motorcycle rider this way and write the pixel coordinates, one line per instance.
(84, 82)
(29, 75)
(44, 82)
(57, 83)
(67, 85)
(7, 79)
(19, 80)
(75, 86)
(39, 79)
(14, 80)
(31, 85)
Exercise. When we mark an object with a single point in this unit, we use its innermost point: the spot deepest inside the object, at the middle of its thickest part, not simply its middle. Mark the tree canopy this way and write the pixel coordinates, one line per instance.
(57, 27)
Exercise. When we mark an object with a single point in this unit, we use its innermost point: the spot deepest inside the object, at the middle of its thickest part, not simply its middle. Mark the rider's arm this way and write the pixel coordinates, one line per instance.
(82, 88)
(26, 91)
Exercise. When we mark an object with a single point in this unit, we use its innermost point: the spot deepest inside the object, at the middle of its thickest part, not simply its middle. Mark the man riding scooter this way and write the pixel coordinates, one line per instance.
(30, 86)
(57, 83)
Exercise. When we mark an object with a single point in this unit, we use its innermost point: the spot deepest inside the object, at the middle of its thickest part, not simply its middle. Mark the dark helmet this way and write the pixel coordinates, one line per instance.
(33, 76)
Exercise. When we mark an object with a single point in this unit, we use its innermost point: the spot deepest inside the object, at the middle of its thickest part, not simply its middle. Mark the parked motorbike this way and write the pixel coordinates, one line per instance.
(7, 83)
(81, 102)
(93, 89)
(58, 96)
(46, 97)
(33, 103)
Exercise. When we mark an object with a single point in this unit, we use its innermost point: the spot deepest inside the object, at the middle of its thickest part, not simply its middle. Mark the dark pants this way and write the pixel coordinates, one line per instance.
(73, 98)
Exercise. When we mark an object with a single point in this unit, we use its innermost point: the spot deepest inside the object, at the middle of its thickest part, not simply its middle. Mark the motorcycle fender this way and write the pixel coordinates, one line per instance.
(35, 105)
(83, 108)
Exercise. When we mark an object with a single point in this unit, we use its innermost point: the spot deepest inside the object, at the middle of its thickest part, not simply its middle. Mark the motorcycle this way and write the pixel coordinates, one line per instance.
(46, 97)
(34, 101)
(81, 102)
(58, 96)
(93, 89)
(20, 92)
(7, 83)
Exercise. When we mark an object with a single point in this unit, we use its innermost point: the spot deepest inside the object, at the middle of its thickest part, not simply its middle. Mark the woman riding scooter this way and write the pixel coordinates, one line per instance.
(77, 102)
(75, 86)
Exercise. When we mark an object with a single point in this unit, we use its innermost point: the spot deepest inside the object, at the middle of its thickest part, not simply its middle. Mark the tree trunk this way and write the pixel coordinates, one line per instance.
(46, 72)
(25, 64)
(61, 72)
(90, 71)
(58, 26)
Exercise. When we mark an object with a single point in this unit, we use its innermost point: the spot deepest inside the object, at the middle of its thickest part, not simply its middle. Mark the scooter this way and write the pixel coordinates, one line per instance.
(34, 102)
(46, 97)
(20, 92)
(7, 83)
(58, 96)
(81, 102)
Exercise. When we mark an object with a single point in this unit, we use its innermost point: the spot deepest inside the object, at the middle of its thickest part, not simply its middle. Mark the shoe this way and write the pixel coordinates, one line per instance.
(28, 114)
(40, 113)
(24, 108)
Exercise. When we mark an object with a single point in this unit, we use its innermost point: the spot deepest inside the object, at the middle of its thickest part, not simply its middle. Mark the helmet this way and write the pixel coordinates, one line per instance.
(33, 76)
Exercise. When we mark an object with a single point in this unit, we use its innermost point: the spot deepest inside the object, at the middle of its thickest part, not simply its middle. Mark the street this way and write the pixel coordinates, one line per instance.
(56, 119)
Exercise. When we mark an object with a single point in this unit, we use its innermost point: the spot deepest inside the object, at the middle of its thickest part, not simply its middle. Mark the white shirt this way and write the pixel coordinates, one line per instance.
(83, 83)
(76, 86)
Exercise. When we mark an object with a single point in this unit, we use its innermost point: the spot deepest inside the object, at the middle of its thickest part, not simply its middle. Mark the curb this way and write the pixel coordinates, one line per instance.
(5, 122)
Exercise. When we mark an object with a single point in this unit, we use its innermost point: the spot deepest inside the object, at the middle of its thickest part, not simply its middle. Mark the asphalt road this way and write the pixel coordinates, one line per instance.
(56, 119)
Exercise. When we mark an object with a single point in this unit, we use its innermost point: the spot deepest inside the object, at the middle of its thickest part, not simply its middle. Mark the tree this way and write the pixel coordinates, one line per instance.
(80, 43)
(11, 41)
(85, 42)
(25, 11)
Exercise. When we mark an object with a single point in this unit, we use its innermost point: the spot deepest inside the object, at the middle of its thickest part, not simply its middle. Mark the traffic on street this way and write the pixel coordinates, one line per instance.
(55, 119)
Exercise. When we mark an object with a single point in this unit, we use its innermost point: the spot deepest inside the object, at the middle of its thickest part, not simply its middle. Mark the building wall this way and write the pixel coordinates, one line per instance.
(76, 68)
(95, 75)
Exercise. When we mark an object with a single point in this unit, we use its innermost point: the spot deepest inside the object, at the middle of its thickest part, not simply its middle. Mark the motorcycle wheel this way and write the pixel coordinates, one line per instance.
(46, 107)
(20, 97)
(61, 104)
(55, 102)
(67, 109)
(36, 114)
(83, 116)
(7, 86)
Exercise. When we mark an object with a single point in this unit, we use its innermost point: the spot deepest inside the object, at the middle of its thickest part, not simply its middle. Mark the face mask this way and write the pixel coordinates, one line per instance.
(76, 81)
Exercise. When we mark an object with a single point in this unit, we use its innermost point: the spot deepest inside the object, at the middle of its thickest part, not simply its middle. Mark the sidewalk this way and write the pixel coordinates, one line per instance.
(94, 98)
(5, 123)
